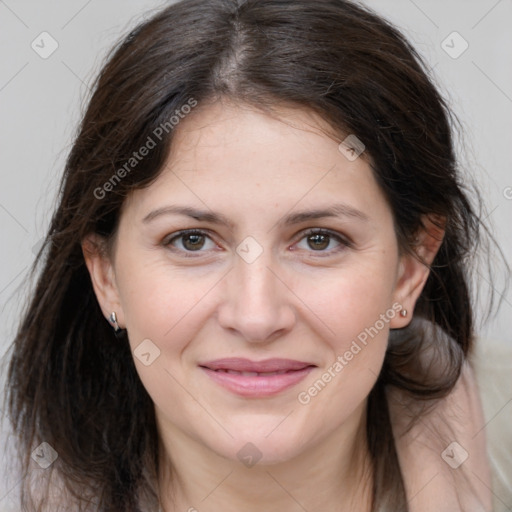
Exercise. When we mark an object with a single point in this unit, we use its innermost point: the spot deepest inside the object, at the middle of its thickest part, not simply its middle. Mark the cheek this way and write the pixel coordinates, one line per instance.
(356, 308)
(351, 300)
(163, 309)
(158, 301)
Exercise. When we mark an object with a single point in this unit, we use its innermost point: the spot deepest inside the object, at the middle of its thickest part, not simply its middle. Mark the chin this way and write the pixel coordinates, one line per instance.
(251, 447)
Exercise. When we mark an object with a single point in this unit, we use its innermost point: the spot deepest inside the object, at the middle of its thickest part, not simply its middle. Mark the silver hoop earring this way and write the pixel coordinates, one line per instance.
(403, 313)
(113, 321)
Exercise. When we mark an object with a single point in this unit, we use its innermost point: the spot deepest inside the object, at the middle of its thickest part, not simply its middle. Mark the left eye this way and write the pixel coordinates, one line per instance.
(318, 240)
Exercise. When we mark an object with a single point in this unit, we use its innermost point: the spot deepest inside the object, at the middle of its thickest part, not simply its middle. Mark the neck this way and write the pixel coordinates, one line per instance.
(334, 474)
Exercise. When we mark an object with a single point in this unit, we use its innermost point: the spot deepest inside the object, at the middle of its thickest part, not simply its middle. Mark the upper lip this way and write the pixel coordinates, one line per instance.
(246, 365)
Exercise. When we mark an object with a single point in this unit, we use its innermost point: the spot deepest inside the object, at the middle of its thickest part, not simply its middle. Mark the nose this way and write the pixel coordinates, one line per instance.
(258, 304)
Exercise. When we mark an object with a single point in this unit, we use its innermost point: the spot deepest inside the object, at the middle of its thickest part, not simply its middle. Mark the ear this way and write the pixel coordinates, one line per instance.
(414, 269)
(102, 275)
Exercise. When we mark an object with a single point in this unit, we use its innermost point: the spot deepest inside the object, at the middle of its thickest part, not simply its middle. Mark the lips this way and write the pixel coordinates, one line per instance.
(256, 378)
(268, 366)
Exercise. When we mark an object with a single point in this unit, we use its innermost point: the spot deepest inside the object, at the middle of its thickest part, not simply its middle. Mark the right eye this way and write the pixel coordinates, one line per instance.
(190, 240)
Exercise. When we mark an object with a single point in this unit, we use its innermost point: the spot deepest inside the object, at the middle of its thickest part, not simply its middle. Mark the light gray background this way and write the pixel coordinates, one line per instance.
(41, 101)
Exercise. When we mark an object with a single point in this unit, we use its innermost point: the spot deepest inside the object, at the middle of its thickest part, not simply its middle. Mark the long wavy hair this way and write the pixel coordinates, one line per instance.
(72, 383)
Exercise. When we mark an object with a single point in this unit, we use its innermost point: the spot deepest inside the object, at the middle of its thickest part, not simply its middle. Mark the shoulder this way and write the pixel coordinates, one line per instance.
(443, 457)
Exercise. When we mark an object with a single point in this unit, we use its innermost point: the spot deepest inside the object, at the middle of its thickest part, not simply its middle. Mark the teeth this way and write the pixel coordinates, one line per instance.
(253, 374)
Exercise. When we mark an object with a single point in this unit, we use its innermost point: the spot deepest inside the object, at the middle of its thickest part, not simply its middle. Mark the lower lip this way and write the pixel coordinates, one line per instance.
(258, 386)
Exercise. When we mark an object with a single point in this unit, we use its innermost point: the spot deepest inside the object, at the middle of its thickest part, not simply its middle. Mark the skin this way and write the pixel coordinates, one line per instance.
(293, 301)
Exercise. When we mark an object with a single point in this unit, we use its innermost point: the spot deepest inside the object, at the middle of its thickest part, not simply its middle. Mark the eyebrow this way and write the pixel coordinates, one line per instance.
(335, 210)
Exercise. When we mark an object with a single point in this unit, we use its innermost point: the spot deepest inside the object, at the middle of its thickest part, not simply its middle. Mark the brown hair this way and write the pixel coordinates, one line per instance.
(72, 382)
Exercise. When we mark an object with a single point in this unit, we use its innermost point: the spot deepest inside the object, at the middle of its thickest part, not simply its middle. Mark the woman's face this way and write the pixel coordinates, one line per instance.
(251, 291)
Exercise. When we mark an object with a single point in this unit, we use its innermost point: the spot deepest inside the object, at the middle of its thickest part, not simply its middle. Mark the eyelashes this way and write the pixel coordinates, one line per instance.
(320, 236)
(193, 241)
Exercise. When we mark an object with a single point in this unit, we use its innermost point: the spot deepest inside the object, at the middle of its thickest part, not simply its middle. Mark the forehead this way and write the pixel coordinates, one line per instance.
(226, 156)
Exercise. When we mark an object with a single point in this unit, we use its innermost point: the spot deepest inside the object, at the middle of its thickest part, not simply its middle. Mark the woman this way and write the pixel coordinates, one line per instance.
(255, 289)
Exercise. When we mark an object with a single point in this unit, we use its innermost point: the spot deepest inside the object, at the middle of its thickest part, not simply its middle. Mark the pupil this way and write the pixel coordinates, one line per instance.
(322, 239)
(195, 241)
